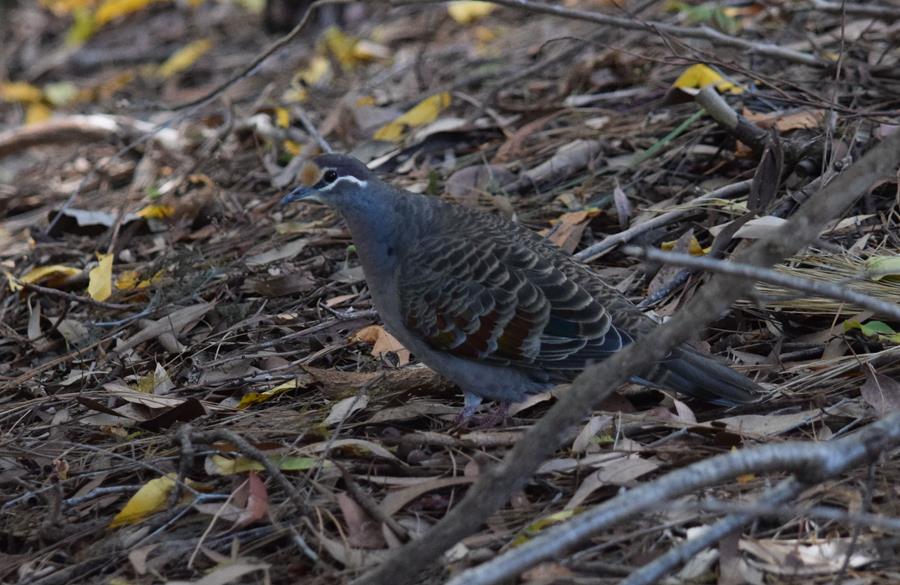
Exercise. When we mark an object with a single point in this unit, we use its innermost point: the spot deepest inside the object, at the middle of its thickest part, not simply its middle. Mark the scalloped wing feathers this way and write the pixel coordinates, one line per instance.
(481, 288)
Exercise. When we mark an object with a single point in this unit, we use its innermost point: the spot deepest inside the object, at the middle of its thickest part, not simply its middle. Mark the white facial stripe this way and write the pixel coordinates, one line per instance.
(349, 178)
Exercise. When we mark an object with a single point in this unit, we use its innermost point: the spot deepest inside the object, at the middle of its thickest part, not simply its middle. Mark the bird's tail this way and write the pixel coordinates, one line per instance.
(700, 376)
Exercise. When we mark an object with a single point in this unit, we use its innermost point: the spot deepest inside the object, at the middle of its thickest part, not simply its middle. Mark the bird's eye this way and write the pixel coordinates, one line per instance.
(330, 176)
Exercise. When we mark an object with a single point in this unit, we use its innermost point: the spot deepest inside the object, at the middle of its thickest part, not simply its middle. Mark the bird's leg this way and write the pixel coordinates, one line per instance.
(470, 406)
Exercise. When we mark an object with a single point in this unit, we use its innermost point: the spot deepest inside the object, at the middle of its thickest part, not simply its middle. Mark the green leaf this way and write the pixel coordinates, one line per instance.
(877, 329)
(878, 267)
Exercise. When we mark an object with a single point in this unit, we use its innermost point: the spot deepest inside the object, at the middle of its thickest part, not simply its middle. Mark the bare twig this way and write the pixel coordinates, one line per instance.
(606, 244)
(494, 487)
(705, 33)
(252, 452)
(71, 297)
(311, 128)
(739, 126)
(822, 289)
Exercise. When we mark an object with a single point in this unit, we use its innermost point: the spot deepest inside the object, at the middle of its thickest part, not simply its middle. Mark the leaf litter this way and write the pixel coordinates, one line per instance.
(171, 288)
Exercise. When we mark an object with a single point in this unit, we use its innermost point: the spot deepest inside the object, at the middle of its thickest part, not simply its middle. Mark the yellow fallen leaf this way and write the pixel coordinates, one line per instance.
(130, 280)
(699, 76)
(292, 148)
(422, 113)
(151, 498)
(100, 278)
(54, 274)
(113, 9)
(156, 211)
(37, 113)
(542, 524)
(83, 27)
(183, 58)
(340, 45)
(127, 280)
(365, 100)
(349, 51)
(21, 92)
(317, 68)
(694, 248)
(282, 117)
(254, 398)
(469, 11)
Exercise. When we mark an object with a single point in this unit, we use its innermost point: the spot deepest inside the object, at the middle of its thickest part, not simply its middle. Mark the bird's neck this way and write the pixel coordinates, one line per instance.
(379, 235)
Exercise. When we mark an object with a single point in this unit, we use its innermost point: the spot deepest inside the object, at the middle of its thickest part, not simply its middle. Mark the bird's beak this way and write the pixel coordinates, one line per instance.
(301, 194)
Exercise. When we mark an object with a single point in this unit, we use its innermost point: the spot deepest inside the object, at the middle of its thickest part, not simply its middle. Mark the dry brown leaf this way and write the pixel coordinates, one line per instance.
(590, 430)
(766, 425)
(174, 323)
(382, 342)
(881, 392)
(282, 252)
(786, 121)
(253, 497)
(344, 409)
(396, 501)
(362, 530)
(568, 229)
(795, 558)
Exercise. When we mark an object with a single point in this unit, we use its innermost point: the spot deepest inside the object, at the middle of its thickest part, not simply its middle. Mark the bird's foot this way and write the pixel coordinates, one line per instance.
(494, 417)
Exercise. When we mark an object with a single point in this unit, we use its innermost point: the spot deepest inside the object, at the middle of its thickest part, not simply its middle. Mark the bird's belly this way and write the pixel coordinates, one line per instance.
(493, 382)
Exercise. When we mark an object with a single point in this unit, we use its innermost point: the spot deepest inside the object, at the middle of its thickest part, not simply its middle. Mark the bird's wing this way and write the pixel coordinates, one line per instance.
(501, 298)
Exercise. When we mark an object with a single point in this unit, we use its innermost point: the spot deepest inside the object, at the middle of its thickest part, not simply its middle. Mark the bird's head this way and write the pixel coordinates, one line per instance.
(332, 179)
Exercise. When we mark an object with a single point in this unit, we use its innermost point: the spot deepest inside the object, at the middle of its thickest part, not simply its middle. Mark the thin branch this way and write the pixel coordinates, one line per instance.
(608, 243)
(494, 487)
(311, 128)
(268, 52)
(241, 444)
(822, 289)
(71, 297)
(703, 32)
